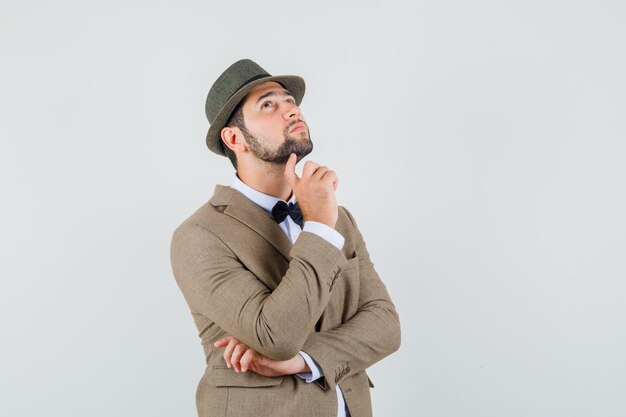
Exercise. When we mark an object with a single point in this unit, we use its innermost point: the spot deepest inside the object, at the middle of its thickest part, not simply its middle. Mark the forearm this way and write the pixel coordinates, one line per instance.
(302, 310)
(371, 335)
(218, 286)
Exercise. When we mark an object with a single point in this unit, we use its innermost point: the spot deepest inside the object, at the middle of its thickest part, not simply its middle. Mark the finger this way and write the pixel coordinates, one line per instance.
(335, 178)
(309, 168)
(228, 352)
(237, 353)
(255, 365)
(290, 171)
(317, 175)
(222, 342)
(247, 360)
(330, 177)
(254, 368)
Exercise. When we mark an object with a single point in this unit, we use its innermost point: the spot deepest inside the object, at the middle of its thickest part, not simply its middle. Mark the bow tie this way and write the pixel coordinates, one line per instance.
(281, 210)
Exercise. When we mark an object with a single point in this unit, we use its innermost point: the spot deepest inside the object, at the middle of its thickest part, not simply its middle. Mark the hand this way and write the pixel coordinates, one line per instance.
(315, 191)
(243, 358)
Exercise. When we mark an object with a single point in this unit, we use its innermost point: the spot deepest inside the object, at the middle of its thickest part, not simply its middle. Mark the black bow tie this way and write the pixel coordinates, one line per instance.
(281, 210)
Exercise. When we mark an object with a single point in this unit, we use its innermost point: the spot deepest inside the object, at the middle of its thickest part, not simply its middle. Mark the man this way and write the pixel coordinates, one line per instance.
(277, 276)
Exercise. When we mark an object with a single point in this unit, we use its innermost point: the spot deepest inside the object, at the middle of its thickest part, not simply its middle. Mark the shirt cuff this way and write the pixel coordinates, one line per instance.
(316, 371)
(325, 232)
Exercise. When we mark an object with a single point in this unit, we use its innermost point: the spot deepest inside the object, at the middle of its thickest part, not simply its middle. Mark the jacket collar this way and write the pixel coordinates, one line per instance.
(241, 208)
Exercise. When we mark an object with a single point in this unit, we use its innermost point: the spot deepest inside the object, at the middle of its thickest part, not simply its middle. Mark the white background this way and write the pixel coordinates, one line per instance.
(480, 146)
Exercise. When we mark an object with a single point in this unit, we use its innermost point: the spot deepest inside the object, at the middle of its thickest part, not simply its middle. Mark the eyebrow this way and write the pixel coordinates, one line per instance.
(273, 93)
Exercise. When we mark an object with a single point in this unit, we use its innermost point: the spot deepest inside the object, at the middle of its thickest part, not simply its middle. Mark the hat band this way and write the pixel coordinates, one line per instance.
(256, 77)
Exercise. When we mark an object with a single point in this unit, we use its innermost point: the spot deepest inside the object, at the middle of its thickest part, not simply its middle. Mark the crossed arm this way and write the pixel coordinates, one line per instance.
(277, 324)
(242, 358)
(367, 337)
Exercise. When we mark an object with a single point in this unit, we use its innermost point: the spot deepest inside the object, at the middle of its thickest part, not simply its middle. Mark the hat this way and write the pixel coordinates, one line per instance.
(231, 87)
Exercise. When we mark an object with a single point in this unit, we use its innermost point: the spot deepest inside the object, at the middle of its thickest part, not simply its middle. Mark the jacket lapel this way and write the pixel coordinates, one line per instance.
(241, 208)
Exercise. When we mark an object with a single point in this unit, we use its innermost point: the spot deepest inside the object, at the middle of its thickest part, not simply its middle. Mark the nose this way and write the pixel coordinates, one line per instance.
(292, 110)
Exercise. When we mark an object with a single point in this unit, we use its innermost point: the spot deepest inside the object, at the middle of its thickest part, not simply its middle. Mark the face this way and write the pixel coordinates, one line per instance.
(275, 128)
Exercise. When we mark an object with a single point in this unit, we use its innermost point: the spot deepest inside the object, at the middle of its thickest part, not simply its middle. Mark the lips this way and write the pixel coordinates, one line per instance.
(297, 126)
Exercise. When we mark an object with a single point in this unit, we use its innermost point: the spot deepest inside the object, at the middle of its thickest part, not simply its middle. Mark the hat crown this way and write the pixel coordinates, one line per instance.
(232, 79)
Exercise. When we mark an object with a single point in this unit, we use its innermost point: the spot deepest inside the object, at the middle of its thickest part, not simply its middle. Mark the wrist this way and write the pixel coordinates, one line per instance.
(301, 365)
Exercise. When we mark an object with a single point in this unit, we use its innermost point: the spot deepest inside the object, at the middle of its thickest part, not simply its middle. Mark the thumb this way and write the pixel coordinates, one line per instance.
(290, 171)
(222, 342)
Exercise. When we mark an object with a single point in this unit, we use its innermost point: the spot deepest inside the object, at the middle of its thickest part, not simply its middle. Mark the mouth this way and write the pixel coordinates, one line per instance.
(297, 127)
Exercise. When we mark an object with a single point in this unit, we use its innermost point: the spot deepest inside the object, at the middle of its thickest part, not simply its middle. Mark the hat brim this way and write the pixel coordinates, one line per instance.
(293, 83)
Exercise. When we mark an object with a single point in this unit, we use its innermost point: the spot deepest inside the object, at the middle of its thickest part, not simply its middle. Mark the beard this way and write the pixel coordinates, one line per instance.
(301, 146)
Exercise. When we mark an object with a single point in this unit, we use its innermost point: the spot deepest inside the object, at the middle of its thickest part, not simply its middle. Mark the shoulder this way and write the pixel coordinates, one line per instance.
(198, 240)
(205, 220)
(210, 215)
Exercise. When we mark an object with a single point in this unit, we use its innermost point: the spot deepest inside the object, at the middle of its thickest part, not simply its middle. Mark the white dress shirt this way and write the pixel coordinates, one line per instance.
(293, 230)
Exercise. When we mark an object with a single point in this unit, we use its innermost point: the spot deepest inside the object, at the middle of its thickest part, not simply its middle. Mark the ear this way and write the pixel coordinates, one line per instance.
(233, 138)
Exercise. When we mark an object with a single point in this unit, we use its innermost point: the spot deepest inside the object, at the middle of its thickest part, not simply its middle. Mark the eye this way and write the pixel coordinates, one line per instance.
(291, 100)
(264, 104)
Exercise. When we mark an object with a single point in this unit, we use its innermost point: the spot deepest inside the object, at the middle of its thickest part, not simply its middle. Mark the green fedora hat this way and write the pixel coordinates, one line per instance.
(231, 87)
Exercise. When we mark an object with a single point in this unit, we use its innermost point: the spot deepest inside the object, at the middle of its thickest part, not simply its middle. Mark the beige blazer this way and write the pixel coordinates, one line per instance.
(241, 276)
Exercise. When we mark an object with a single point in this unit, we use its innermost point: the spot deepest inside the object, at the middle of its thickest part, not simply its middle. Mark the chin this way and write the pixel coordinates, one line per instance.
(300, 146)
(301, 155)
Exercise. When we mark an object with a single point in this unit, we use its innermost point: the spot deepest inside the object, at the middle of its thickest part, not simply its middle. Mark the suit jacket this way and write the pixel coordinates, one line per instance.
(241, 276)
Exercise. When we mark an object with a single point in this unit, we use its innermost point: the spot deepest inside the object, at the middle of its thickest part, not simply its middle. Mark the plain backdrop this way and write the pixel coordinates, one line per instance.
(480, 145)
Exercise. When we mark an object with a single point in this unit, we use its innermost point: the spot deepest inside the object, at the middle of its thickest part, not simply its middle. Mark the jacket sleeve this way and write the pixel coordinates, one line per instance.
(367, 337)
(217, 285)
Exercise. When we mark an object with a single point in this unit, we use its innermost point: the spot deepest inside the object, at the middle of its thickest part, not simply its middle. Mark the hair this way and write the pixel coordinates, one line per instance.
(235, 120)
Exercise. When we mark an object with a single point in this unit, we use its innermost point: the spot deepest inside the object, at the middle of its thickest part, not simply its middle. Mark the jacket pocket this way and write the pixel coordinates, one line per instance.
(227, 377)
(352, 262)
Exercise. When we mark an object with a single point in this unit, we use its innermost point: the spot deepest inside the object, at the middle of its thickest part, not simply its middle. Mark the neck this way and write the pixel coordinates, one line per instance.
(266, 178)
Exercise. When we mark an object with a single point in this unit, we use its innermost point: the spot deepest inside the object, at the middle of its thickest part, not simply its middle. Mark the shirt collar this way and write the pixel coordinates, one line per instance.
(263, 200)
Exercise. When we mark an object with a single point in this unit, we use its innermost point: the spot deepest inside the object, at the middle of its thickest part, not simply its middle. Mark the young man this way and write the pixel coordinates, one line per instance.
(290, 309)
